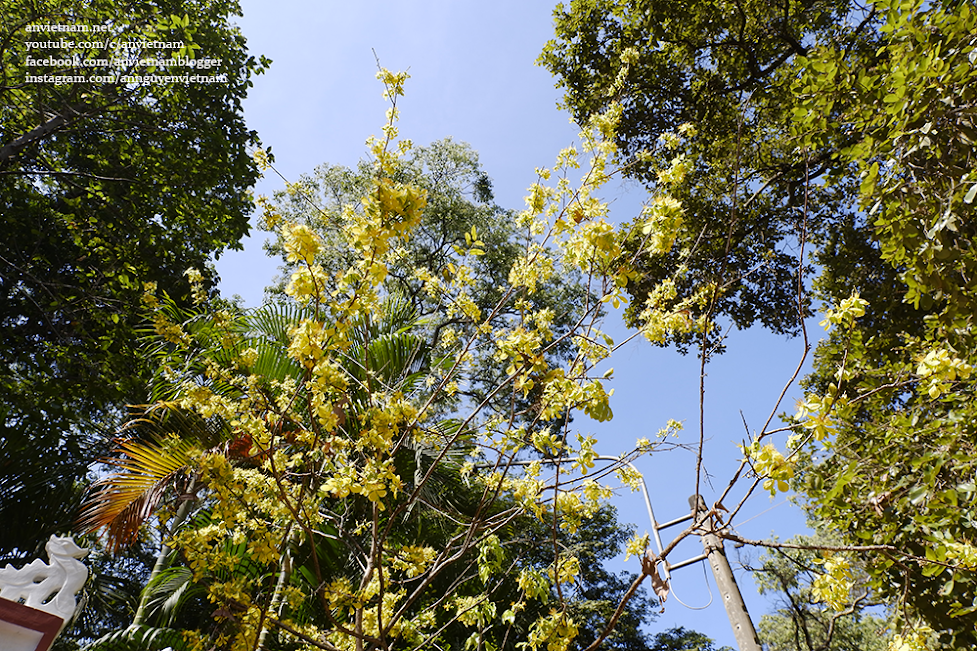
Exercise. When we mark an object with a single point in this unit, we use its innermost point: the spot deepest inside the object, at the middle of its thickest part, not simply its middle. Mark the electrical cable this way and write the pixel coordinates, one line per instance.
(708, 587)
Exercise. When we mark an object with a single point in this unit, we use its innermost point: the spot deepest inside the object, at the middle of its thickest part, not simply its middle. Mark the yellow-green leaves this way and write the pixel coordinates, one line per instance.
(301, 243)
(534, 584)
(393, 83)
(636, 546)
(535, 267)
(850, 309)
(912, 640)
(814, 414)
(413, 560)
(769, 462)
(361, 463)
(554, 633)
(664, 316)
(490, 557)
(308, 342)
(662, 222)
(940, 369)
(834, 586)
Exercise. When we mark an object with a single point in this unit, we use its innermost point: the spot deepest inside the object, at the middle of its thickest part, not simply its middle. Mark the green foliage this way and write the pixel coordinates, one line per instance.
(802, 621)
(323, 491)
(459, 212)
(727, 69)
(682, 639)
(147, 470)
(901, 469)
(915, 156)
(597, 592)
(104, 186)
(851, 127)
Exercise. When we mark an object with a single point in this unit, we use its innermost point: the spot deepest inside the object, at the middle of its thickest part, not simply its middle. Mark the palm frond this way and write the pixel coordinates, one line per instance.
(272, 321)
(139, 638)
(169, 591)
(120, 503)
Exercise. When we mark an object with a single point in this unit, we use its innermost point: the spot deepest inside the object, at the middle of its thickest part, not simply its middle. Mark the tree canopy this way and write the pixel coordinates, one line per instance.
(899, 379)
(320, 492)
(459, 206)
(726, 69)
(847, 128)
(802, 621)
(104, 186)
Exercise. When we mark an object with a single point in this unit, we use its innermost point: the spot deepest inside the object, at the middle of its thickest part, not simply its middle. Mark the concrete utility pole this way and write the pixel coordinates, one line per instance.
(739, 617)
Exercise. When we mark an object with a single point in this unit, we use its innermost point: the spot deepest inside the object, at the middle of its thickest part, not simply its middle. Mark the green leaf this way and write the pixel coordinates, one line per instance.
(933, 570)
(918, 494)
(971, 193)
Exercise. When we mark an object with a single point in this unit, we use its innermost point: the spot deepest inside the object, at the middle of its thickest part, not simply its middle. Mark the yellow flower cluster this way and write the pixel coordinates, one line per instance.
(307, 284)
(301, 243)
(308, 342)
(413, 560)
(636, 546)
(663, 221)
(531, 269)
(555, 631)
(663, 315)
(912, 641)
(374, 481)
(561, 393)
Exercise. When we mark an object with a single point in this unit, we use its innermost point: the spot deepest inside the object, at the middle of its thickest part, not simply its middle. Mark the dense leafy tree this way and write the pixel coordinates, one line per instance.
(104, 186)
(852, 127)
(682, 639)
(154, 475)
(459, 204)
(895, 385)
(327, 497)
(597, 592)
(154, 471)
(727, 69)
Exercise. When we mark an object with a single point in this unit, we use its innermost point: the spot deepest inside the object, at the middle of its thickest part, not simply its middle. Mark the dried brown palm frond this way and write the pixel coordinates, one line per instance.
(146, 467)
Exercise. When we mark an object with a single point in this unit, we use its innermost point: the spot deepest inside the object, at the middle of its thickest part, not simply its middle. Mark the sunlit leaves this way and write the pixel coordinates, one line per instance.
(637, 546)
(834, 586)
(123, 502)
(941, 369)
(769, 463)
(850, 309)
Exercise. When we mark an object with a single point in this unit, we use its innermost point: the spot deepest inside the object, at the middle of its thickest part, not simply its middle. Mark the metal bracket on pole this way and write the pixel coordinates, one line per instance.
(739, 617)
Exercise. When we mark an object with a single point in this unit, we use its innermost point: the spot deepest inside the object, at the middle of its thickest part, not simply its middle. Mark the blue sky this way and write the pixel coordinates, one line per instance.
(473, 78)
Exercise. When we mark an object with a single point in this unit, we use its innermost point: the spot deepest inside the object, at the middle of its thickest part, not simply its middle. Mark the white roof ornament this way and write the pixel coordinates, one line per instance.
(50, 587)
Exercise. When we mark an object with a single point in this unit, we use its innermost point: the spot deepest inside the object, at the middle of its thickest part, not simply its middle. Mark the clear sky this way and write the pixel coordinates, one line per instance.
(473, 78)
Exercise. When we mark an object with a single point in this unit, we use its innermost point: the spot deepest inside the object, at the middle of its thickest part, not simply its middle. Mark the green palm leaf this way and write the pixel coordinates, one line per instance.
(139, 638)
(169, 591)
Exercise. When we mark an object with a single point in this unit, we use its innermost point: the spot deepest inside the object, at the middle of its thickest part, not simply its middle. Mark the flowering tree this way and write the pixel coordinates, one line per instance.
(847, 127)
(326, 500)
(338, 504)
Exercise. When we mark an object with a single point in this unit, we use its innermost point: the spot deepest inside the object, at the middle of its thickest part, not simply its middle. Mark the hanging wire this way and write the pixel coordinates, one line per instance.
(705, 576)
